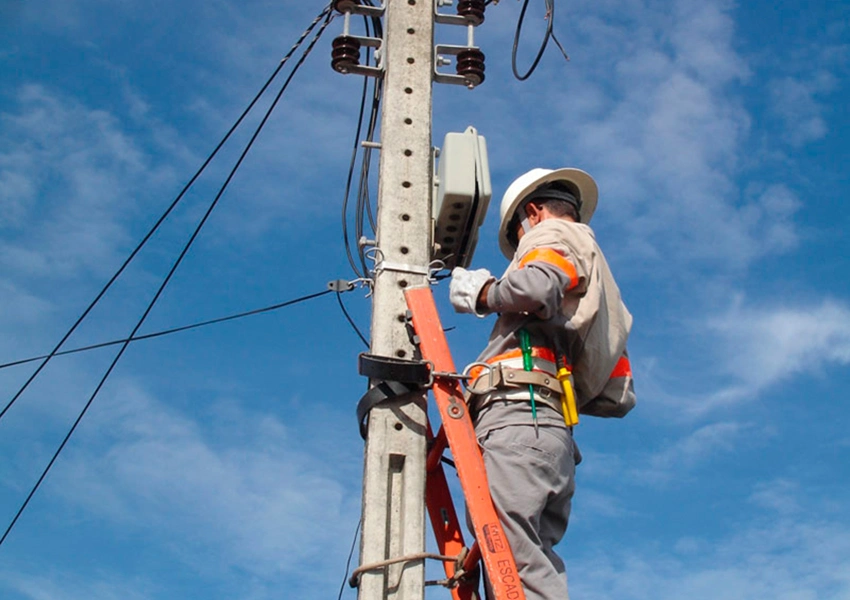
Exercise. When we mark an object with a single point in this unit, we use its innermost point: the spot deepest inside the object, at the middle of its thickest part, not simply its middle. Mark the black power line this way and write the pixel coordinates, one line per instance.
(350, 555)
(324, 14)
(550, 23)
(350, 320)
(164, 332)
(328, 18)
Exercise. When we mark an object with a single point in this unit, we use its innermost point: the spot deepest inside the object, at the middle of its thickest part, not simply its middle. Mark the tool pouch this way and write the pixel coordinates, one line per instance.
(617, 396)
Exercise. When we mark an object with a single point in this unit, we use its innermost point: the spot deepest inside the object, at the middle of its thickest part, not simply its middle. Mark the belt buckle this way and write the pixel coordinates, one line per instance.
(491, 387)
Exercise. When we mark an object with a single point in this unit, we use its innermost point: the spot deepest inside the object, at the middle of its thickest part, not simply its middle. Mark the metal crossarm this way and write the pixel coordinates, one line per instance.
(459, 435)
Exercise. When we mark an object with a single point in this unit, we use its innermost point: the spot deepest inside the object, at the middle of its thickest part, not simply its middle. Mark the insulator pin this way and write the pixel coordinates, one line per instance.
(345, 53)
(470, 65)
(344, 6)
(473, 9)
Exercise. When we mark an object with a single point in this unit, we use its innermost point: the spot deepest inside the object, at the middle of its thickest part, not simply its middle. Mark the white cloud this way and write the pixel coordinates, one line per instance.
(67, 586)
(686, 453)
(796, 102)
(800, 558)
(765, 346)
(74, 172)
(19, 307)
(665, 137)
(248, 493)
(771, 215)
(751, 348)
(780, 496)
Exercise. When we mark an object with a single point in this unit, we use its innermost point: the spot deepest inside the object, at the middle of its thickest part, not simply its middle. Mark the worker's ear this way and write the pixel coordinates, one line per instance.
(534, 212)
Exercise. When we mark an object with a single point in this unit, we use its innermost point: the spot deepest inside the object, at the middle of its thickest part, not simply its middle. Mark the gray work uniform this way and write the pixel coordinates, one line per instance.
(532, 477)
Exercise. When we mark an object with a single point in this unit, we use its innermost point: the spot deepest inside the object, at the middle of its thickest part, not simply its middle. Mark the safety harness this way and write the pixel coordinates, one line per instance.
(538, 367)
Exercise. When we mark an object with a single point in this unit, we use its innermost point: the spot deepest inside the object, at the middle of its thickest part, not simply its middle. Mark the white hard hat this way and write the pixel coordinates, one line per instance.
(583, 186)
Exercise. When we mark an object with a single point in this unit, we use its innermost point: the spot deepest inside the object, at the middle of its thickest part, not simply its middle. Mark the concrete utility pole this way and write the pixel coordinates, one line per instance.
(394, 472)
(394, 476)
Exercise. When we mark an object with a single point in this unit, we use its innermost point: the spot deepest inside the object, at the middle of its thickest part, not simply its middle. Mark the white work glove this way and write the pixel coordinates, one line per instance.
(465, 287)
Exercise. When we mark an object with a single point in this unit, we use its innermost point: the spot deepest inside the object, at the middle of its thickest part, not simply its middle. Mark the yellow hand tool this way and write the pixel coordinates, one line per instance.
(568, 398)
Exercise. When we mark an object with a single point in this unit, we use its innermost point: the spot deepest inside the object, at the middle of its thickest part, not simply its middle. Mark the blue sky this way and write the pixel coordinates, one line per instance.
(225, 462)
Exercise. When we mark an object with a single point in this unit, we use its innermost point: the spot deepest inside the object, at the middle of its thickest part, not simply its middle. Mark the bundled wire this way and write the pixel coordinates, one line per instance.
(327, 15)
(550, 24)
(363, 215)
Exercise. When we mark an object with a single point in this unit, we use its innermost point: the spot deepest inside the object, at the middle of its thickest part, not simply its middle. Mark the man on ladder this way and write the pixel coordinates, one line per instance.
(558, 348)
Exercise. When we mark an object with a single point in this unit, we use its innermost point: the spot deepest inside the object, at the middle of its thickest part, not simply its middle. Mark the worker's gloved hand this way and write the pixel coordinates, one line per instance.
(465, 287)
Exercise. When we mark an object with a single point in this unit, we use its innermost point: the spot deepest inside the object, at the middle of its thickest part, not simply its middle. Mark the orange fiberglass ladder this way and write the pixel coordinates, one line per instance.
(458, 434)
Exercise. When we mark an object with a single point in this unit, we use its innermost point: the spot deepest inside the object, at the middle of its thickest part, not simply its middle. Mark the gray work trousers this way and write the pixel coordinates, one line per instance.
(532, 481)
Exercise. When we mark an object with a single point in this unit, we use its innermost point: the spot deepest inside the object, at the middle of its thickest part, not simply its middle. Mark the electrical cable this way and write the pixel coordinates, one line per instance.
(168, 211)
(182, 328)
(350, 320)
(550, 14)
(328, 19)
(348, 180)
(363, 210)
(350, 556)
(362, 206)
(370, 136)
(350, 177)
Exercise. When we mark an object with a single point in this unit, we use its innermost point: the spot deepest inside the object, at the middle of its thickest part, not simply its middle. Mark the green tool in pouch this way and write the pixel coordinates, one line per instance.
(528, 365)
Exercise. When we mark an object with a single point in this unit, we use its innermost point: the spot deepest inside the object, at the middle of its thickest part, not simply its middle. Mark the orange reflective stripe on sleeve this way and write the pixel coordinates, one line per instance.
(623, 368)
(552, 257)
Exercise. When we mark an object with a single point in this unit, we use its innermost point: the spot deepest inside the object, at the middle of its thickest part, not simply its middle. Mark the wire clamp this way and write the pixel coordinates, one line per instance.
(386, 265)
(341, 285)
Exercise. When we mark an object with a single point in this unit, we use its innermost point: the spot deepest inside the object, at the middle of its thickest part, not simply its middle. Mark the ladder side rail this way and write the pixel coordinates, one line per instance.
(446, 526)
(495, 550)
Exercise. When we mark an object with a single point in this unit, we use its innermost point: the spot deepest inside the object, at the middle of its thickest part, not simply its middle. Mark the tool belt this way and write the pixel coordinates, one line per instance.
(506, 371)
(543, 359)
(501, 376)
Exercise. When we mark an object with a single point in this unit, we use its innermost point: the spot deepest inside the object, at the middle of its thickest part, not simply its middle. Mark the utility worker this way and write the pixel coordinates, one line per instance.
(559, 311)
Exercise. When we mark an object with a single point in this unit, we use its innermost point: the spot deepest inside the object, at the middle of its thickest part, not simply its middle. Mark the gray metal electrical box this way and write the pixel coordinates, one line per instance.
(461, 197)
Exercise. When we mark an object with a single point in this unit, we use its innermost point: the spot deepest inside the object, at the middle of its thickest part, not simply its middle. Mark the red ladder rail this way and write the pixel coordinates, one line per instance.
(445, 523)
(493, 545)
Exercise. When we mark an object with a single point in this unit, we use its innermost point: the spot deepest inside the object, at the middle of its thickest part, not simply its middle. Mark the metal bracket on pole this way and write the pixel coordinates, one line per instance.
(386, 265)
(355, 8)
(346, 48)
